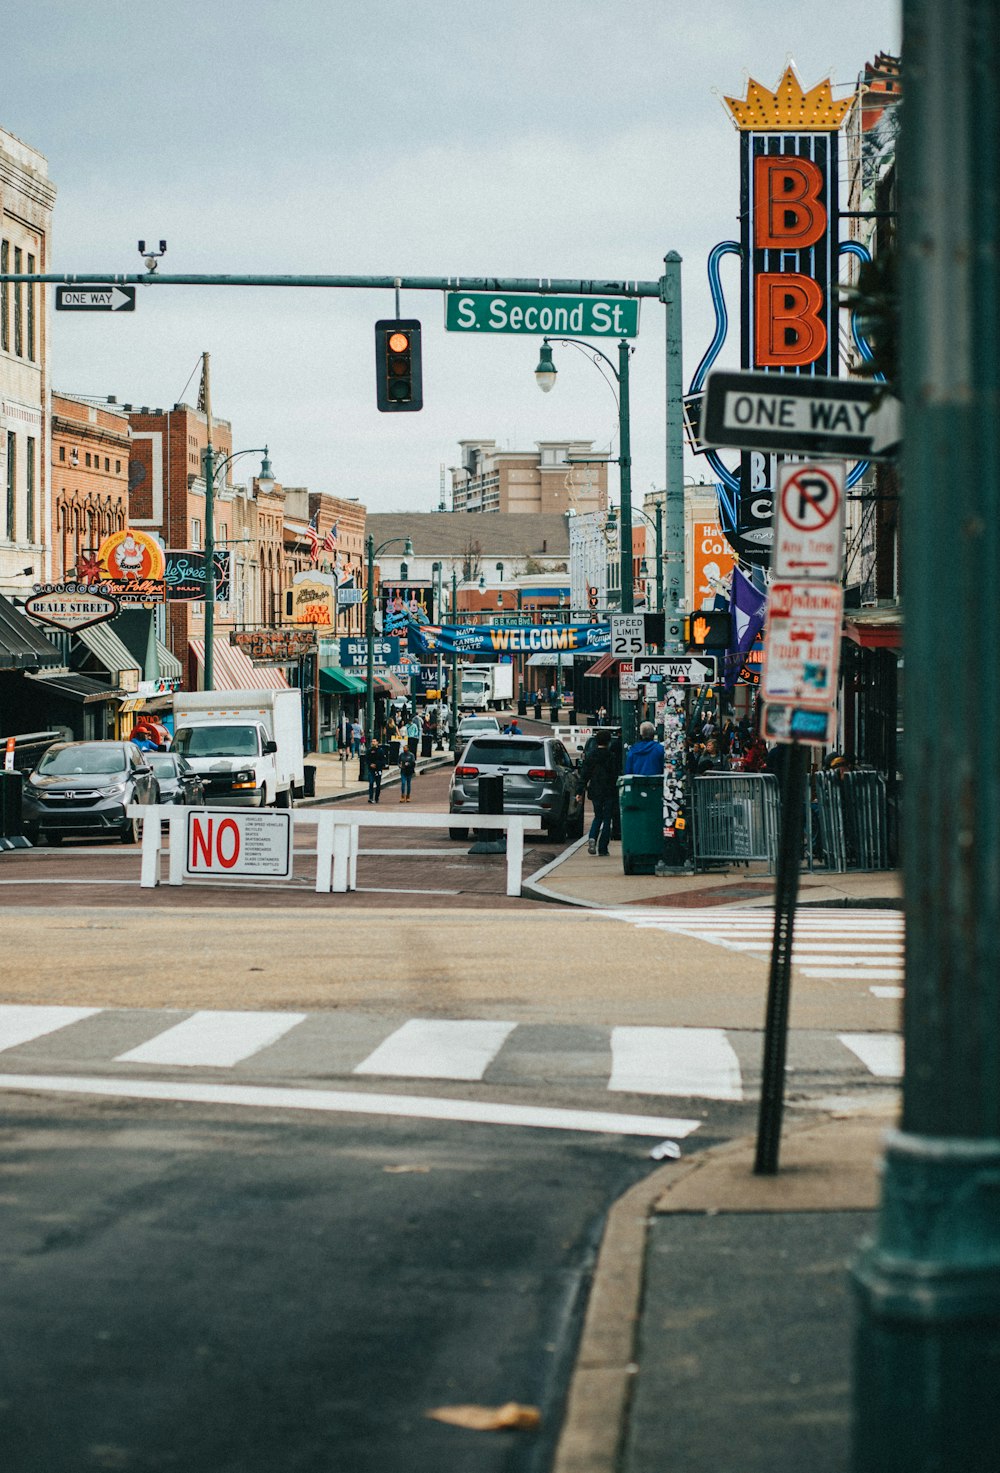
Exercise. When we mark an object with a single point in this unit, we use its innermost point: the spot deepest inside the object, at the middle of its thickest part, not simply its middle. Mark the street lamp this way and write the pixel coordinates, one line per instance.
(545, 377)
(213, 466)
(657, 526)
(372, 553)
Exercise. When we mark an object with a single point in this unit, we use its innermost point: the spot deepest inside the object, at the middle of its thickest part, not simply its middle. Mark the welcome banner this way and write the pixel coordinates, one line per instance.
(480, 639)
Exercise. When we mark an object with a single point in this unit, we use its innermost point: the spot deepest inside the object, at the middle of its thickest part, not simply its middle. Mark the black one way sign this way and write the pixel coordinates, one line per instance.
(813, 416)
(95, 298)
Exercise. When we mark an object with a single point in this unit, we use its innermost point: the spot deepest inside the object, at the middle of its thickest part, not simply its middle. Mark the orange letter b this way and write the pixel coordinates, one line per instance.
(788, 328)
(788, 213)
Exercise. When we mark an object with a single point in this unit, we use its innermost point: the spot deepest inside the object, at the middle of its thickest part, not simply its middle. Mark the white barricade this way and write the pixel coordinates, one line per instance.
(338, 834)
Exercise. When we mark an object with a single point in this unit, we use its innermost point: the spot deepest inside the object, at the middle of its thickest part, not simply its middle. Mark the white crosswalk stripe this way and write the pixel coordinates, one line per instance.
(435, 1048)
(853, 945)
(213, 1039)
(689, 1062)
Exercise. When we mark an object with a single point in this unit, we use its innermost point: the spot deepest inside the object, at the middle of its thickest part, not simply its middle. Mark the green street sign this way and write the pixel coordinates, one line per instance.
(589, 317)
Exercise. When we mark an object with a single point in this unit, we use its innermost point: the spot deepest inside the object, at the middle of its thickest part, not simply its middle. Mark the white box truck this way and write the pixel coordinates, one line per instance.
(482, 687)
(246, 744)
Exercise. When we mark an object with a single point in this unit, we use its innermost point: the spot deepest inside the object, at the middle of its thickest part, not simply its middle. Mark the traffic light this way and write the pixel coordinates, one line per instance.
(399, 383)
(593, 596)
(708, 629)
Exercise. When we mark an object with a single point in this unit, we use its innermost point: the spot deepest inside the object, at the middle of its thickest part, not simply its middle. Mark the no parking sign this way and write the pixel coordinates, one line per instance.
(809, 520)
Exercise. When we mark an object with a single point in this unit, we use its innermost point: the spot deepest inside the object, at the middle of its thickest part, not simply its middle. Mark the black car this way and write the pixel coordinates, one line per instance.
(84, 788)
(176, 778)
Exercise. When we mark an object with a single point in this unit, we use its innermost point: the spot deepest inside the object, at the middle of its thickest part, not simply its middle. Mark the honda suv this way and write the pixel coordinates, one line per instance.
(85, 788)
(538, 777)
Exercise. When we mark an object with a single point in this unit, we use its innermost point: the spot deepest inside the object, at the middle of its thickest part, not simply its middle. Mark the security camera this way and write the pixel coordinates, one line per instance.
(150, 257)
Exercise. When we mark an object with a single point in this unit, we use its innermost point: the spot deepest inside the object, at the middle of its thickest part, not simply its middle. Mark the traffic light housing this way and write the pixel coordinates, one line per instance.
(593, 597)
(708, 629)
(399, 385)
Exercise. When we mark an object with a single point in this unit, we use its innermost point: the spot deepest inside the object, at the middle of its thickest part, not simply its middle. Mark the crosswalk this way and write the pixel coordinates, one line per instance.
(656, 1062)
(833, 945)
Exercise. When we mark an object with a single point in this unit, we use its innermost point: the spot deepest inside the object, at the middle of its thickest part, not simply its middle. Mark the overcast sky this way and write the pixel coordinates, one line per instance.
(559, 139)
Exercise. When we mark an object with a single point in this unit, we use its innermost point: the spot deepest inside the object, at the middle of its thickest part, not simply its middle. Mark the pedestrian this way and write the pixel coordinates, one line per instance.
(602, 716)
(646, 756)
(413, 734)
(376, 764)
(599, 775)
(407, 767)
(514, 729)
(356, 735)
(394, 741)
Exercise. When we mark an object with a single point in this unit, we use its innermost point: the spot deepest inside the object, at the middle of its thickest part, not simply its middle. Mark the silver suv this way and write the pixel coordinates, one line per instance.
(538, 777)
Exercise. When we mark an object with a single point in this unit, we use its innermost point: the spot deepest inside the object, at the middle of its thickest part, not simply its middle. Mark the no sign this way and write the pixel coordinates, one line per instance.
(236, 843)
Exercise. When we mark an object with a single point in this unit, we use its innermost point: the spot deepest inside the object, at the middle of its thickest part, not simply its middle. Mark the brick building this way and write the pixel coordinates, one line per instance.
(27, 196)
(89, 479)
(537, 481)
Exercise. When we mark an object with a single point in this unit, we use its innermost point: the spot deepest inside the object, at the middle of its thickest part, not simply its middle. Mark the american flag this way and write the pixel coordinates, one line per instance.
(330, 540)
(313, 536)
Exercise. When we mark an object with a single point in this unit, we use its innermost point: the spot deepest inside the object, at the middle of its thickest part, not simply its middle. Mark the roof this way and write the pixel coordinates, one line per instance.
(233, 670)
(22, 646)
(499, 534)
(82, 688)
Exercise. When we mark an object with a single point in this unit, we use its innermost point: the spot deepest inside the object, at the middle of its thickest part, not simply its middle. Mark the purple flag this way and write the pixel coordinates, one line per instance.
(748, 607)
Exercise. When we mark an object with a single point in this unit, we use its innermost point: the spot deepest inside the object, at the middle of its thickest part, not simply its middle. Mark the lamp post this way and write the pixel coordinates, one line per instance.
(437, 570)
(372, 553)
(454, 666)
(212, 468)
(545, 377)
(657, 526)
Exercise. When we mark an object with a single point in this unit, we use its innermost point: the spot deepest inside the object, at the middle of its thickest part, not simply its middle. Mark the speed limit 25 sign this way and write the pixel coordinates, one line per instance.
(628, 635)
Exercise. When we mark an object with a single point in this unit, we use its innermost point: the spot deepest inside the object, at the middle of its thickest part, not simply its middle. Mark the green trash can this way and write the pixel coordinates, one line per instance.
(640, 798)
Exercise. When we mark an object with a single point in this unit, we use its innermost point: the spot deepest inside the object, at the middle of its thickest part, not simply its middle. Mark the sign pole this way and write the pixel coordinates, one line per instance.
(209, 620)
(779, 989)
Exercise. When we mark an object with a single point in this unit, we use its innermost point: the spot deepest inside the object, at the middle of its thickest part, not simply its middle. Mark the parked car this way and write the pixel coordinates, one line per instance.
(469, 725)
(176, 778)
(538, 777)
(84, 788)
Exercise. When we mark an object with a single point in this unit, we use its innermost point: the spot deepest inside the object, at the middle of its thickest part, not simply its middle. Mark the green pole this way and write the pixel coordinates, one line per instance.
(674, 542)
(928, 1341)
(370, 637)
(209, 462)
(625, 556)
(454, 666)
(658, 519)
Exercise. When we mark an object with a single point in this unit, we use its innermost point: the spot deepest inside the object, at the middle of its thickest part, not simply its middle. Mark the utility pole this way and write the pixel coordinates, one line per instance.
(209, 620)
(454, 665)
(928, 1343)
(674, 538)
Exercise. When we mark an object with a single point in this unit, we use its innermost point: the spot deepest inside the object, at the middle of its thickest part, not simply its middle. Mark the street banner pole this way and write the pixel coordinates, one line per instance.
(928, 1339)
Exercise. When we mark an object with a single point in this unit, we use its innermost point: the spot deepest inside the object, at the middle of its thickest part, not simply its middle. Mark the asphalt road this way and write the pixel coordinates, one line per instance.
(224, 1293)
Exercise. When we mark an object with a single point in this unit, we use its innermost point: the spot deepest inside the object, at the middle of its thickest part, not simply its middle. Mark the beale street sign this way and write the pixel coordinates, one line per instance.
(70, 605)
(589, 317)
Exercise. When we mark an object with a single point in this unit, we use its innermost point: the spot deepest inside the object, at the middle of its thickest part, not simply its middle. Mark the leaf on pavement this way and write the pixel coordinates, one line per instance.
(399, 1170)
(490, 1419)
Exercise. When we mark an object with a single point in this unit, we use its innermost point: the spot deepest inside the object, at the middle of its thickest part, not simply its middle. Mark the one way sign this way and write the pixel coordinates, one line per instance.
(95, 298)
(800, 415)
(688, 670)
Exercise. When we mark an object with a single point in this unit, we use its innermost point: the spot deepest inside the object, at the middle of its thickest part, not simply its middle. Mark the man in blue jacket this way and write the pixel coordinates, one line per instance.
(645, 756)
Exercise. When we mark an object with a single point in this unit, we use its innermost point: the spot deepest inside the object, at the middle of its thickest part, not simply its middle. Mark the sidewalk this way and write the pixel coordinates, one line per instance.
(719, 1327)
(337, 780)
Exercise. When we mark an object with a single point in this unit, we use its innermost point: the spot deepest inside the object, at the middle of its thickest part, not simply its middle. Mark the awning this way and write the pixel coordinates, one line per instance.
(170, 666)
(604, 666)
(333, 681)
(233, 670)
(104, 644)
(82, 688)
(875, 629)
(21, 644)
(387, 684)
(548, 657)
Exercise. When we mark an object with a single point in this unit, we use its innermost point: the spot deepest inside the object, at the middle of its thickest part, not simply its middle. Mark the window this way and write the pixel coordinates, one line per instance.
(195, 532)
(5, 297)
(107, 463)
(30, 288)
(118, 467)
(11, 482)
(29, 505)
(87, 457)
(18, 298)
(62, 452)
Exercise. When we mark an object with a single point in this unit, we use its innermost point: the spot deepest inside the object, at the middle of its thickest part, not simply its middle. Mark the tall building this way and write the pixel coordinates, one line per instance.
(90, 470)
(27, 196)
(537, 481)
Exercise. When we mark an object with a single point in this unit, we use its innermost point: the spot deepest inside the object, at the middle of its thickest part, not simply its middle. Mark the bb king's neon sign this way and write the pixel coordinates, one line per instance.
(788, 247)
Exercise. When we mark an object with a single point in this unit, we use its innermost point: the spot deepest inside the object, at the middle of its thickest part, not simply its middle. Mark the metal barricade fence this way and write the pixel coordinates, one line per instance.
(851, 819)
(735, 817)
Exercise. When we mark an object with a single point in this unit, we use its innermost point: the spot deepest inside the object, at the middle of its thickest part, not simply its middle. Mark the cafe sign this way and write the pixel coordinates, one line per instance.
(274, 646)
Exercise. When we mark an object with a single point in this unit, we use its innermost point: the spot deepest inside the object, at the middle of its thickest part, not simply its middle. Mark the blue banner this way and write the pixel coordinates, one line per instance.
(487, 639)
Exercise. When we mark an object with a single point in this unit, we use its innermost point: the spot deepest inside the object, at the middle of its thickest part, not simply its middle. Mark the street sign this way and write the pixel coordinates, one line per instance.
(814, 725)
(802, 646)
(809, 520)
(95, 298)
(70, 605)
(354, 652)
(799, 414)
(589, 317)
(234, 843)
(687, 670)
(628, 682)
(628, 635)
